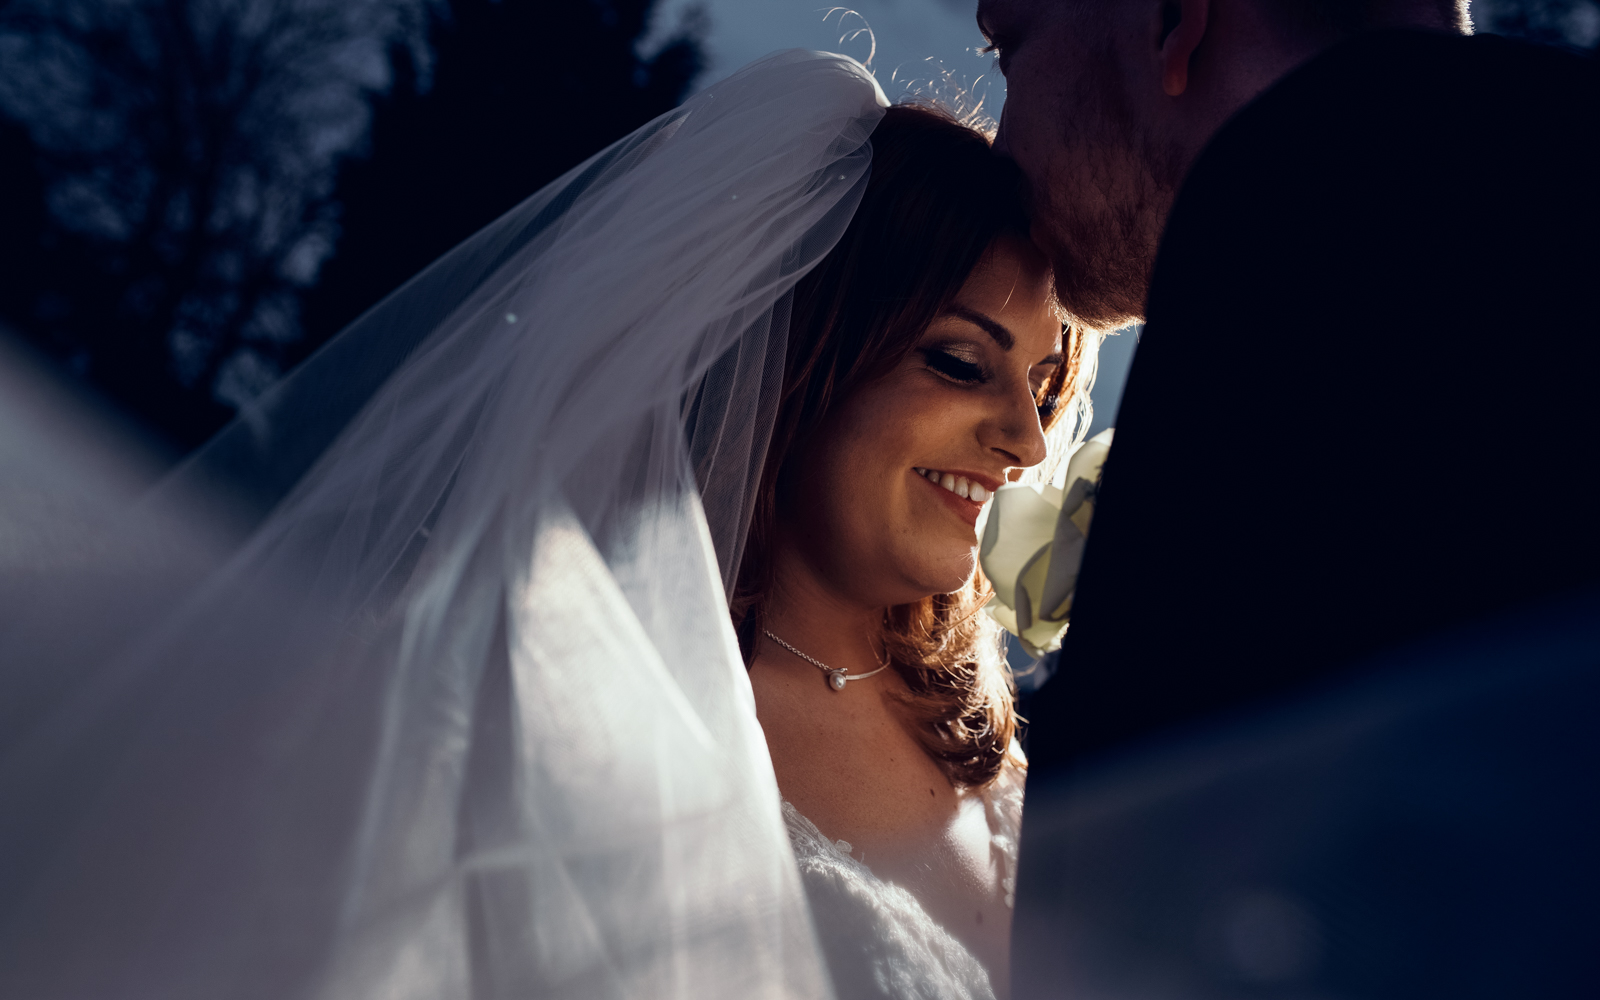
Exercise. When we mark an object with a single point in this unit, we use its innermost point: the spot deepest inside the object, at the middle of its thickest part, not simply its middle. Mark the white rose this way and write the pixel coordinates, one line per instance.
(1033, 545)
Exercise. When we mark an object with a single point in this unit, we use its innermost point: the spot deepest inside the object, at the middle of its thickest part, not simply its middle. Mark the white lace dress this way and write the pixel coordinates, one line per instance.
(879, 941)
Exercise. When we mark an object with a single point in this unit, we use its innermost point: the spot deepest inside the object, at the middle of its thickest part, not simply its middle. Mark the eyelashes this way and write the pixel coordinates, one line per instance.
(1001, 57)
(953, 367)
(959, 370)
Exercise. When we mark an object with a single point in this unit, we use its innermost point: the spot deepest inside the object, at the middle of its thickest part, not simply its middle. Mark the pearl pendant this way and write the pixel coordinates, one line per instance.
(836, 679)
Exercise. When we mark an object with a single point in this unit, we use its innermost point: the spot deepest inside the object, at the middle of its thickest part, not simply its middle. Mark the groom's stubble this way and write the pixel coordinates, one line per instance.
(1102, 205)
(1105, 118)
(1108, 103)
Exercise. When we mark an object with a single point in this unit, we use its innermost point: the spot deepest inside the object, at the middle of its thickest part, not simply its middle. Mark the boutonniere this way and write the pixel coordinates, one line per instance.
(1033, 545)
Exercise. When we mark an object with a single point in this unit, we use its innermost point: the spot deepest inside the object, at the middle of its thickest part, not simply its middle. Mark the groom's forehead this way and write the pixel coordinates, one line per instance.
(990, 12)
(997, 15)
(1006, 17)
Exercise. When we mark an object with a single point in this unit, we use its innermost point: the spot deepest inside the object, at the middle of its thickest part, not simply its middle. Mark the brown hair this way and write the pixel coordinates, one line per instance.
(936, 200)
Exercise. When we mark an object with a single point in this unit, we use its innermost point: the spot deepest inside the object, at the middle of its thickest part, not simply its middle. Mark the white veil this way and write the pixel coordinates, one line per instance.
(464, 715)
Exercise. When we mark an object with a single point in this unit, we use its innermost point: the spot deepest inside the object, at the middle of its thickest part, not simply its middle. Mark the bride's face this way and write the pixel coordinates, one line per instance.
(871, 507)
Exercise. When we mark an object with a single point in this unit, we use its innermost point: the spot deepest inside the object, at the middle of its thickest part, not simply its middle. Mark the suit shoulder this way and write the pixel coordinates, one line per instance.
(1422, 95)
(1419, 144)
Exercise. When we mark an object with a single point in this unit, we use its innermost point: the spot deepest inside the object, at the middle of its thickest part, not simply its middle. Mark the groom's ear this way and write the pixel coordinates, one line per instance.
(1183, 25)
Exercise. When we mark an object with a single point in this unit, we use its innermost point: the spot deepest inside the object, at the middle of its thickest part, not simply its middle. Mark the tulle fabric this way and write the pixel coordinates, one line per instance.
(464, 715)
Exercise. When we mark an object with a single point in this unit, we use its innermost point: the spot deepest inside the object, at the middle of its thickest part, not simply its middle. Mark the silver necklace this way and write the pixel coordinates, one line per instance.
(836, 675)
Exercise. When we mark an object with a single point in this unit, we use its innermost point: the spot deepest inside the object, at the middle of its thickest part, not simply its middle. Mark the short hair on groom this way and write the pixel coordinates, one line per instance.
(1350, 17)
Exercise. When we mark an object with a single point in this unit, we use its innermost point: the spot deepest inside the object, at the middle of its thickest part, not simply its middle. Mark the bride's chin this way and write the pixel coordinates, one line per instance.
(946, 576)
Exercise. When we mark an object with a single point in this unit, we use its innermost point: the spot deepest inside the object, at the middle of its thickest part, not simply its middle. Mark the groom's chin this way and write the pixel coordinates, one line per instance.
(1097, 293)
(1097, 282)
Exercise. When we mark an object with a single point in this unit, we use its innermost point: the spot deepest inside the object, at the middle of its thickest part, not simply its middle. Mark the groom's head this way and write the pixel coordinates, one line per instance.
(1109, 101)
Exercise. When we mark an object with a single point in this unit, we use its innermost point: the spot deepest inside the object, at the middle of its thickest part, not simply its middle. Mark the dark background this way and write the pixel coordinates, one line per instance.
(196, 194)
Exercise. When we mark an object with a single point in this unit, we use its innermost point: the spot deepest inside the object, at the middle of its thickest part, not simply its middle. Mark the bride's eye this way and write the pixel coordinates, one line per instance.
(952, 366)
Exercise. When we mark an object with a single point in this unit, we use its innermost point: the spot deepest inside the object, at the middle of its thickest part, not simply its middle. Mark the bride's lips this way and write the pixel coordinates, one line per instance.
(966, 508)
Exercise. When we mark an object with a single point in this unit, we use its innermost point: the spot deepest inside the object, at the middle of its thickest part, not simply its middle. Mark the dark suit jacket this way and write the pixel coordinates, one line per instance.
(1366, 405)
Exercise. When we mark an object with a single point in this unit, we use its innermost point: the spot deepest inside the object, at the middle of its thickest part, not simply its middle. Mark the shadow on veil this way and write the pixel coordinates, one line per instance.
(418, 680)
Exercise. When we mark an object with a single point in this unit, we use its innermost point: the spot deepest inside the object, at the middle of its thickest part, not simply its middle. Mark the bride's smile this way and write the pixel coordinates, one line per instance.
(880, 503)
(925, 370)
(963, 492)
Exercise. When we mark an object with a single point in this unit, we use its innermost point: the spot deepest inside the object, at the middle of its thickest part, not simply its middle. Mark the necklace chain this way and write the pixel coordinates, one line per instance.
(836, 675)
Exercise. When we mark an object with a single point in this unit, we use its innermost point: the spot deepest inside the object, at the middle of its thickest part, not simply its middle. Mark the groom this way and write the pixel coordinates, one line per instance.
(1366, 403)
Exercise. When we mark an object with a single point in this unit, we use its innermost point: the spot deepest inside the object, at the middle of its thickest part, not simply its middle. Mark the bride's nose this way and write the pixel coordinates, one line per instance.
(1014, 431)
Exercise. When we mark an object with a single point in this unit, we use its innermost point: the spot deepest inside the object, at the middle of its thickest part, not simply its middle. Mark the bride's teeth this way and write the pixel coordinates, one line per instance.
(959, 485)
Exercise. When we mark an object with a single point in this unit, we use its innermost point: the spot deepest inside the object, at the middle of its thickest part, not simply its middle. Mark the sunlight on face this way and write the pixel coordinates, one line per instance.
(868, 513)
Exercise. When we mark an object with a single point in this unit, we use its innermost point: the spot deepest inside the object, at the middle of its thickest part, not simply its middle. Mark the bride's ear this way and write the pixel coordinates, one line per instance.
(1183, 25)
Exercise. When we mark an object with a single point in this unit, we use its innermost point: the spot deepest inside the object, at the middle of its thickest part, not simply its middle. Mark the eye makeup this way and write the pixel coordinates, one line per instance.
(956, 362)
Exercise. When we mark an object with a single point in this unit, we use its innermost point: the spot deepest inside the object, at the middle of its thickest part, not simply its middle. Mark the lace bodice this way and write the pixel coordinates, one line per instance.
(879, 941)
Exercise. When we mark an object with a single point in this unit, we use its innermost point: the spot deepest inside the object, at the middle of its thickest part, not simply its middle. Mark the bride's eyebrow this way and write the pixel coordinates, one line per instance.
(1001, 335)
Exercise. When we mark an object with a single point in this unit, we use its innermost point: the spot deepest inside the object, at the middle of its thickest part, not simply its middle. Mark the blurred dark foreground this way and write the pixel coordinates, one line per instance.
(1429, 831)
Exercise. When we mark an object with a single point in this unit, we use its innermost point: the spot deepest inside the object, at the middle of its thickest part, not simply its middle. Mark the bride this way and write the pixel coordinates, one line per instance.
(924, 365)
(463, 712)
